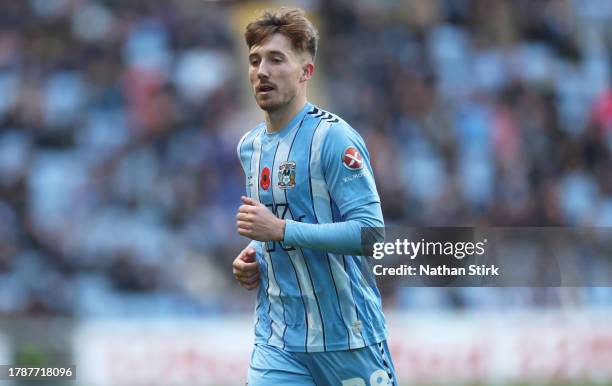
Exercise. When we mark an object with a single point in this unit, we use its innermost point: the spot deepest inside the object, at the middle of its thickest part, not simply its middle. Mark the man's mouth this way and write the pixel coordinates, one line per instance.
(264, 88)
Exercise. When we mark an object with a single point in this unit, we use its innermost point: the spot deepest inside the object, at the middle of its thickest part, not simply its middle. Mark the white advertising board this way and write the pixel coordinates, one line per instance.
(433, 348)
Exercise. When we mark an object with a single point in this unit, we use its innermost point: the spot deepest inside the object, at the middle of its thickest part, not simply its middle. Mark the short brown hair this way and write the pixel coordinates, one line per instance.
(290, 22)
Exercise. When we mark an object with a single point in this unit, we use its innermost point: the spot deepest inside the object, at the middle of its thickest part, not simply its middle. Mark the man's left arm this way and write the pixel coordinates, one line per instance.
(350, 181)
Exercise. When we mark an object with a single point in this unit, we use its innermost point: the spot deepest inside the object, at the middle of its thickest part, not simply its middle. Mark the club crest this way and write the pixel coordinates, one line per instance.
(351, 158)
(286, 175)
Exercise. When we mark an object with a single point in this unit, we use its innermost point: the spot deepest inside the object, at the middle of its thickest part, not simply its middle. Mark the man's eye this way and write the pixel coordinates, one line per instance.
(277, 60)
(254, 62)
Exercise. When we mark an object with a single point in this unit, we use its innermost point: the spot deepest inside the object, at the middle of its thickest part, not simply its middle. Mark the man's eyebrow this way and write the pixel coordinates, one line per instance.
(273, 52)
(276, 53)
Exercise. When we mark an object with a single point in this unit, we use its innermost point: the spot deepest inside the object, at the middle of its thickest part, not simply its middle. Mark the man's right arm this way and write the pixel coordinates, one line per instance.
(352, 188)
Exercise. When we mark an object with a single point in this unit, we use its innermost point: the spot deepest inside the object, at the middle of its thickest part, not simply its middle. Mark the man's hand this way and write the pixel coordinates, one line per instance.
(246, 269)
(256, 222)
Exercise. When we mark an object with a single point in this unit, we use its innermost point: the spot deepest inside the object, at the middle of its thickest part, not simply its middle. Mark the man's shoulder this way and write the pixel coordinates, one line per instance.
(332, 125)
(243, 151)
(249, 135)
(324, 116)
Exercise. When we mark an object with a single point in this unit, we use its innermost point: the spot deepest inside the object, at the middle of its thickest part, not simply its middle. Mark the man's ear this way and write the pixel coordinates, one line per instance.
(307, 72)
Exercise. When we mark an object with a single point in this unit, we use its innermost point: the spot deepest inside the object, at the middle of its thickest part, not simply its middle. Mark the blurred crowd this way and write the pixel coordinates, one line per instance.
(119, 180)
(117, 176)
(480, 112)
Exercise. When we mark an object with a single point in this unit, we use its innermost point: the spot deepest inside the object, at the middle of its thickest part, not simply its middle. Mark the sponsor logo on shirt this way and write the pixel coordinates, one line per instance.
(351, 158)
(353, 177)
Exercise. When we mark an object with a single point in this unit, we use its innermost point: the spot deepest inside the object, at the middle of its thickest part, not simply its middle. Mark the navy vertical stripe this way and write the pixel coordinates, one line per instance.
(293, 265)
(305, 260)
(354, 299)
(348, 333)
(250, 194)
(274, 272)
(267, 276)
(334, 212)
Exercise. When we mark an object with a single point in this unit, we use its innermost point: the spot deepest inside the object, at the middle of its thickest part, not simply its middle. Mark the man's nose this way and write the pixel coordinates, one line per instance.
(262, 70)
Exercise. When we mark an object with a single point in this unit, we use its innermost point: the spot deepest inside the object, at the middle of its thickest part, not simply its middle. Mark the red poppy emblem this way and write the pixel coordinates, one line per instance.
(264, 180)
(351, 158)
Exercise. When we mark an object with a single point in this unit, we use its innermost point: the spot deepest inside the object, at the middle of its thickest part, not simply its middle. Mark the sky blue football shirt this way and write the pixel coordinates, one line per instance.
(315, 170)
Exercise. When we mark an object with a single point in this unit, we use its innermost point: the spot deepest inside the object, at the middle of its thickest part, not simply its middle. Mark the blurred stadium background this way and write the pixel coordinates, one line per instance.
(119, 180)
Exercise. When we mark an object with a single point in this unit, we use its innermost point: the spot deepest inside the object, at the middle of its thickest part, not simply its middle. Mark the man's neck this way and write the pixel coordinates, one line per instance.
(278, 119)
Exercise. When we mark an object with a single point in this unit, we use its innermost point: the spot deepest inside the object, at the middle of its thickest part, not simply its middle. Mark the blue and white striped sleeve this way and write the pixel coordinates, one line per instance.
(350, 182)
(347, 169)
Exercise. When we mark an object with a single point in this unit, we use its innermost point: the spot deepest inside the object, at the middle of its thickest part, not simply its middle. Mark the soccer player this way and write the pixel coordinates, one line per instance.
(310, 190)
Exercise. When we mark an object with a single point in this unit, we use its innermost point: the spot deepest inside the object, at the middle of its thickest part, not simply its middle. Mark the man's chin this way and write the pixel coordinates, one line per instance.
(267, 105)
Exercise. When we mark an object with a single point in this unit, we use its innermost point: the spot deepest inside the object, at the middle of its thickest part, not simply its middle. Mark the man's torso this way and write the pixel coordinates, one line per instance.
(309, 300)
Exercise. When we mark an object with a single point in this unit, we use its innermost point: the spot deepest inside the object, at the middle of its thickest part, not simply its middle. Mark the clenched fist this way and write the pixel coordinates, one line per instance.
(246, 269)
(256, 222)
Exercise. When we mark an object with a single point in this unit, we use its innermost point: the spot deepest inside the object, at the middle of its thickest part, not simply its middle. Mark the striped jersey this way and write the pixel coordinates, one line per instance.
(315, 170)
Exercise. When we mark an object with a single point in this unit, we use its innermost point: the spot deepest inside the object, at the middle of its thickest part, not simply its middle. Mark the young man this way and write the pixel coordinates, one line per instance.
(310, 191)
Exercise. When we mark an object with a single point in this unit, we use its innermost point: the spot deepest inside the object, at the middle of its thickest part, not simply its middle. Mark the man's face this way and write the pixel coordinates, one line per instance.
(275, 72)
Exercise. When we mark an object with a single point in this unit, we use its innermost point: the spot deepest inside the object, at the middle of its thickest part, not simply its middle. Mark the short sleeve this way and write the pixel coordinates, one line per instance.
(346, 168)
